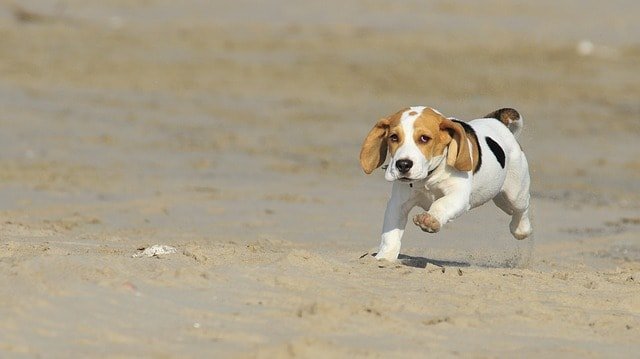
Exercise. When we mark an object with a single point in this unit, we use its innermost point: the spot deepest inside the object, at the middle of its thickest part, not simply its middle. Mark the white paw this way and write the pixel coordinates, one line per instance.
(388, 254)
(521, 229)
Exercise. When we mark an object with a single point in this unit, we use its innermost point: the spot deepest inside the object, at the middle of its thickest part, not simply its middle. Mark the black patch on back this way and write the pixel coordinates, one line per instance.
(496, 149)
(471, 132)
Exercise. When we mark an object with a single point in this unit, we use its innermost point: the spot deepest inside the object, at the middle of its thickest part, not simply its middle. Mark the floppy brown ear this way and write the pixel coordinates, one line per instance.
(374, 147)
(458, 155)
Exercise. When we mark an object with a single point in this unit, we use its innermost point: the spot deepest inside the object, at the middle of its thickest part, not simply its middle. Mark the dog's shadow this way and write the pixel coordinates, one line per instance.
(422, 262)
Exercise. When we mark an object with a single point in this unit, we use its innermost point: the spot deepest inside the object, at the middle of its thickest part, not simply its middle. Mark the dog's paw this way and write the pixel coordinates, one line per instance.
(391, 257)
(520, 227)
(388, 251)
(426, 222)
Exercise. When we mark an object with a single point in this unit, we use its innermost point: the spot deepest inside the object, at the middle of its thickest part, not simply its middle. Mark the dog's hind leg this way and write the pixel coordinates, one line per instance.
(514, 198)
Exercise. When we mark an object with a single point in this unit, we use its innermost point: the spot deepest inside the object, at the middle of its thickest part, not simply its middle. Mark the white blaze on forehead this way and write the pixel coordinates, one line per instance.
(408, 119)
(410, 115)
(417, 109)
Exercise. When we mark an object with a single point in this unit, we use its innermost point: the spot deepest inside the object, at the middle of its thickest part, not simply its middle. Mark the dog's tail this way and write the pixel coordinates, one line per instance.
(510, 118)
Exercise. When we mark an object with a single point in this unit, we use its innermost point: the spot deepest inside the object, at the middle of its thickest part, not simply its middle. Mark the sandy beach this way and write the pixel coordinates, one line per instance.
(231, 131)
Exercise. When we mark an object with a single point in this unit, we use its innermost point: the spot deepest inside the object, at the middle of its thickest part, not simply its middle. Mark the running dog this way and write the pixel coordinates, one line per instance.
(447, 167)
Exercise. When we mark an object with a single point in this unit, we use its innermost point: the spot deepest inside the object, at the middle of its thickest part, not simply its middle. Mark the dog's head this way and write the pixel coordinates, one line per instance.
(417, 138)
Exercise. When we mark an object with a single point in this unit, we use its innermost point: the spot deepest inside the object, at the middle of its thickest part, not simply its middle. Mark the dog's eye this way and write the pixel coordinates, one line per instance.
(393, 138)
(424, 139)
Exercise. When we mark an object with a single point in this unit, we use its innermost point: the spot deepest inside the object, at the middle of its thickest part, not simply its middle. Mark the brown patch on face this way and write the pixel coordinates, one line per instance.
(413, 113)
(428, 124)
(394, 120)
(396, 131)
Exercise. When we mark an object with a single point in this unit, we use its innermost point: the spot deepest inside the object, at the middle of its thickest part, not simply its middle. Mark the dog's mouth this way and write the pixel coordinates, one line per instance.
(408, 179)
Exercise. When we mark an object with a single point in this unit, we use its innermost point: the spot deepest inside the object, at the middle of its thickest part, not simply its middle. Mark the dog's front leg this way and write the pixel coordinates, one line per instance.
(395, 220)
(452, 204)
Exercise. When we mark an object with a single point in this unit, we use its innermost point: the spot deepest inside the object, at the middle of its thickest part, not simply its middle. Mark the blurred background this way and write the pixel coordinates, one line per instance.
(231, 130)
(259, 103)
(233, 117)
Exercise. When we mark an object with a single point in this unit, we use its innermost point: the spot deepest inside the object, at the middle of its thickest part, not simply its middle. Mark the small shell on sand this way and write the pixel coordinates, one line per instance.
(155, 251)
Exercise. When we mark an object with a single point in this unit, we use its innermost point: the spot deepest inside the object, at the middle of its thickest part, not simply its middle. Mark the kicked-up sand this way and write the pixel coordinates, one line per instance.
(231, 131)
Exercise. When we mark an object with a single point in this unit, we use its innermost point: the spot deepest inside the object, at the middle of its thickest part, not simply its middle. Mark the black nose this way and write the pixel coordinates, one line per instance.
(404, 165)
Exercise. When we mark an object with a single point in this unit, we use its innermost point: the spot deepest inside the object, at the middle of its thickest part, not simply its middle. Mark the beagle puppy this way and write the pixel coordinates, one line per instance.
(447, 167)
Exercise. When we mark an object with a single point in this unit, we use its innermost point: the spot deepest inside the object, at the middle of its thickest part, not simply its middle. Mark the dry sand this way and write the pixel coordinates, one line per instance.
(231, 132)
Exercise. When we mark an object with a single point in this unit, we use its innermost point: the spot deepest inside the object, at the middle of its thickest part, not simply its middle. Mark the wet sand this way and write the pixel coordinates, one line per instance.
(231, 132)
